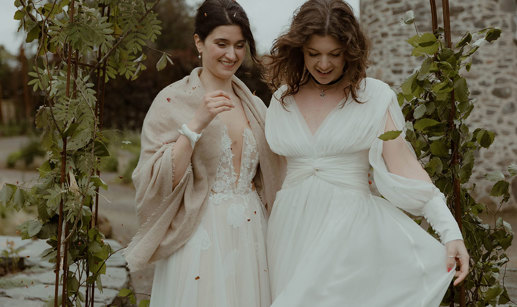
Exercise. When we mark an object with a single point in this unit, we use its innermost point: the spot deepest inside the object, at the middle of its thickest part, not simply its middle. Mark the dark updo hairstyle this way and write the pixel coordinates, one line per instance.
(286, 64)
(214, 13)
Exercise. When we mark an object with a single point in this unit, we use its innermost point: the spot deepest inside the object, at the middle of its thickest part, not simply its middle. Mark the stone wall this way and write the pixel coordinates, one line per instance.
(492, 79)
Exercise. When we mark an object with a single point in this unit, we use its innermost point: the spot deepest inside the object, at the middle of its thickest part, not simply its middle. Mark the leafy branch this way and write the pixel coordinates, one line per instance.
(436, 102)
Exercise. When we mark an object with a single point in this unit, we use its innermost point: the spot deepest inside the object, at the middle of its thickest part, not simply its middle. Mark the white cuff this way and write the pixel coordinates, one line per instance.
(440, 218)
(191, 135)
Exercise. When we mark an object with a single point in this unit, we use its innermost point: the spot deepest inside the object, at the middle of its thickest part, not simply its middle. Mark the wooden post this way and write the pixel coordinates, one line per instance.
(1, 113)
(25, 80)
(458, 212)
(454, 146)
(64, 293)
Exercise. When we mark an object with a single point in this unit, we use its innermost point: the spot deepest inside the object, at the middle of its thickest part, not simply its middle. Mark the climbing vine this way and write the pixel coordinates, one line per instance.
(436, 102)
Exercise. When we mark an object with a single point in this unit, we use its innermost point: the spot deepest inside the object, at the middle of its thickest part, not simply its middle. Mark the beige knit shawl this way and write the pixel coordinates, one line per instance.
(168, 217)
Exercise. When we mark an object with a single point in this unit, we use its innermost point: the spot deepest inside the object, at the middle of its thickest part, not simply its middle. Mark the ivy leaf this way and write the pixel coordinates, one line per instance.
(144, 303)
(442, 87)
(434, 166)
(423, 44)
(467, 38)
(495, 176)
(445, 54)
(485, 138)
(493, 292)
(124, 292)
(162, 62)
(500, 188)
(504, 297)
(492, 35)
(461, 90)
(400, 99)
(409, 17)
(512, 169)
(7, 193)
(33, 33)
(425, 123)
(425, 69)
(419, 111)
(407, 86)
(72, 284)
(99, 280)
(466, 172)
(390, 135)
(18, 15)
(438, 148)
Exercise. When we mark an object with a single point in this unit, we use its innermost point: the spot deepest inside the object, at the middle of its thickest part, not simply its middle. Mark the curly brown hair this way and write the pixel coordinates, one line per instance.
(286, 65)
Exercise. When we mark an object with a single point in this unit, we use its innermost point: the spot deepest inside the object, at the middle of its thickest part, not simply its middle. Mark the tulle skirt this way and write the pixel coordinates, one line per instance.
(224, 263)
(330, 246)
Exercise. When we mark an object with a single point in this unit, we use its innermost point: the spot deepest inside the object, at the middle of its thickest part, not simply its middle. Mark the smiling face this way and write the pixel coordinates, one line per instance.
(222, 51)
(324, 58)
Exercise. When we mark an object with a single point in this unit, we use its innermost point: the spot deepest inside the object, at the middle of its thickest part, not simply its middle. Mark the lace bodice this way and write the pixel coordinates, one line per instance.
(226, 179)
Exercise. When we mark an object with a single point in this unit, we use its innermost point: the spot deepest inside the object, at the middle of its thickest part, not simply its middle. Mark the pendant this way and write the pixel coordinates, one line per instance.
(322, 94)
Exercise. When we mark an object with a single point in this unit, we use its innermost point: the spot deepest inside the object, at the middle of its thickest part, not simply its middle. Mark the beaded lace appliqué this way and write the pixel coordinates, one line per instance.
(226, 181)
(227, 187)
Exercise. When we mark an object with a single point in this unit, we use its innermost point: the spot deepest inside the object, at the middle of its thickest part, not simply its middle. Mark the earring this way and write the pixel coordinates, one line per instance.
(199, 56)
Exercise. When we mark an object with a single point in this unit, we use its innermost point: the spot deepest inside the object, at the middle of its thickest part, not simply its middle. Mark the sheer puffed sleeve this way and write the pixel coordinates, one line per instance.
(418, 197)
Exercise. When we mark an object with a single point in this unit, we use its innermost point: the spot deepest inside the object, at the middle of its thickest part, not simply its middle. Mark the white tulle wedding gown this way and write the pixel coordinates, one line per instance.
(224, 263)
(330, 242)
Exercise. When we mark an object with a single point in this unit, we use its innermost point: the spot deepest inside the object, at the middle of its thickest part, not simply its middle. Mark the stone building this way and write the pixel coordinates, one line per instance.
(492, 79)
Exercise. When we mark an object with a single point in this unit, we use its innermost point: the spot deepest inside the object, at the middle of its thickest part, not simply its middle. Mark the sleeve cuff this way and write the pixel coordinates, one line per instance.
(441, 219)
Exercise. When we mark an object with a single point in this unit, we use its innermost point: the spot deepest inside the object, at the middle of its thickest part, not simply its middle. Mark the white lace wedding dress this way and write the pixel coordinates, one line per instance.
(331, 243)
(224, 263)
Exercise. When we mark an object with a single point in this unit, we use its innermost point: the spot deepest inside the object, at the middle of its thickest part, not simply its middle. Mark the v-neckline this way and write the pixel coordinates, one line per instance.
(236, 177)
(323, 122)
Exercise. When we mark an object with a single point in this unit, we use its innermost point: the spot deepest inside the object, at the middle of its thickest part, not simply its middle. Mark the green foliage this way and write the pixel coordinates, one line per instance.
(27, 153)
(109, 164)
(445, 143)
(81, 46)
(10, 257)
(130, 295)
(390, 135)
(14, 129)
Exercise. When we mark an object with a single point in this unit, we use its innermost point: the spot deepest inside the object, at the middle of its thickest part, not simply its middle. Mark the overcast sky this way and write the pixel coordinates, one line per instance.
(268, 19)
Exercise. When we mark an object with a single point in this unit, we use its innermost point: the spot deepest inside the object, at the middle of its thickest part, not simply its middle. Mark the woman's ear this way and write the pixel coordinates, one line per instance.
(199, 43)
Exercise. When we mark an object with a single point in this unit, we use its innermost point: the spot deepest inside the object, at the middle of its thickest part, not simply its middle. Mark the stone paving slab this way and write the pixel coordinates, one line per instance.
(8, 302)
(43, 293)
(35, 285)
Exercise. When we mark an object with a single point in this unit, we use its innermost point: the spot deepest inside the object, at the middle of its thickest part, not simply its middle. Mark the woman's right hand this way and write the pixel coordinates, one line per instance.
(213, 103)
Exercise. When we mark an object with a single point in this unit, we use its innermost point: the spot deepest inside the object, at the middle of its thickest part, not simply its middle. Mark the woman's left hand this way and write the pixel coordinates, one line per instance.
(457, 254)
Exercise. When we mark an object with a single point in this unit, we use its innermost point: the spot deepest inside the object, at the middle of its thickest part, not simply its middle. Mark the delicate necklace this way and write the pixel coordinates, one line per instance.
(328, 86)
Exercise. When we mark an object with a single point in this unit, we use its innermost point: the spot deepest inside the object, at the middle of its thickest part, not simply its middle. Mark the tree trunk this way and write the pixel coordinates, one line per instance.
(1, 113)
(26, 95)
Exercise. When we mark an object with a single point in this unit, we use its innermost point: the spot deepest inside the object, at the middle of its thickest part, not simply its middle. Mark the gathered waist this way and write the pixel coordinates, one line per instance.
(227, 197)
(344, 172)
(233, 193)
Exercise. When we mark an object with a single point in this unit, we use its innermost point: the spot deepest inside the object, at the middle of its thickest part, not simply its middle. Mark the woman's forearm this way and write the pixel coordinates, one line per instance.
(181, 156)
(182, 152)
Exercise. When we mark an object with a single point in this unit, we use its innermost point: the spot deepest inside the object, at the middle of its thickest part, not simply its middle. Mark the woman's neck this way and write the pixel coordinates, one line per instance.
(212, 83)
